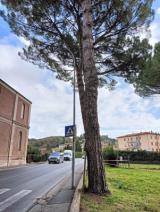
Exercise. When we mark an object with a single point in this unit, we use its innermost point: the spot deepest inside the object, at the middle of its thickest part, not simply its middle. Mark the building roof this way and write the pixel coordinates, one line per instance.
(138, 134)
(2, 82)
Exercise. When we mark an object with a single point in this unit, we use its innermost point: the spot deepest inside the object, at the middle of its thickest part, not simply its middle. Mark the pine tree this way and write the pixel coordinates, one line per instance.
(147, 81)
(97, 38)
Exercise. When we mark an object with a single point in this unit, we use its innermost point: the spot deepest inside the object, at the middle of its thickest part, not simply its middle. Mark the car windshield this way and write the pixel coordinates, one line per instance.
(67, 153)
(55, 154)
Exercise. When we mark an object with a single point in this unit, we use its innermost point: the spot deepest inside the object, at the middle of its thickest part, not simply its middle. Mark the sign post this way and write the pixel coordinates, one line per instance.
(70, 131)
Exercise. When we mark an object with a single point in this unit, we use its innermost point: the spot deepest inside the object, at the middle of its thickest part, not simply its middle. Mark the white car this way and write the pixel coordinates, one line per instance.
(67, 154)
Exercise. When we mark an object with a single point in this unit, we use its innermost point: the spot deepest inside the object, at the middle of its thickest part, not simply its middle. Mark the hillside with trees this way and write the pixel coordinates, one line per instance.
(55, 141)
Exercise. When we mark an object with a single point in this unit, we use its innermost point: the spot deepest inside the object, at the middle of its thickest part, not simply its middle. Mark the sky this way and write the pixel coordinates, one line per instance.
(121, 111)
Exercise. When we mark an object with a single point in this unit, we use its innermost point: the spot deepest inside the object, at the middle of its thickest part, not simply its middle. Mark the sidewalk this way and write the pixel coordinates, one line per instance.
(60, 201)
(4, 168)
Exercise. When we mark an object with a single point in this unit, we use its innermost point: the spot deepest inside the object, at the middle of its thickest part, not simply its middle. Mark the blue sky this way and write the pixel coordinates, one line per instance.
(121, 111)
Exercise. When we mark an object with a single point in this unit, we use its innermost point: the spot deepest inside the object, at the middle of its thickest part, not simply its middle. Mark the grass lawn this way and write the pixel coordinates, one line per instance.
(135, 189)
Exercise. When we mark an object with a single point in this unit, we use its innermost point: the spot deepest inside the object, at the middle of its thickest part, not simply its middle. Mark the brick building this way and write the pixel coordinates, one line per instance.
(148, 141)
(14, 126)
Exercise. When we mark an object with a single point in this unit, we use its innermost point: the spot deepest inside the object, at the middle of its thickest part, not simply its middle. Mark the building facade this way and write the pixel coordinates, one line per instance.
(14, 126)
(148, 141)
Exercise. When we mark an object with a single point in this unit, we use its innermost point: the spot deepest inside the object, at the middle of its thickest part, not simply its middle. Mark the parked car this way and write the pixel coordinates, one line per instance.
(56, 157)
(67, 154)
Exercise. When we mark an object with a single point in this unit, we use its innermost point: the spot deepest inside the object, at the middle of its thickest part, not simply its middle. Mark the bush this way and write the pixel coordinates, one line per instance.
(44, 157)
(78, 154)
(33, 154)
(36, 158)
(110, 155)
(78, 146)
(141, 156)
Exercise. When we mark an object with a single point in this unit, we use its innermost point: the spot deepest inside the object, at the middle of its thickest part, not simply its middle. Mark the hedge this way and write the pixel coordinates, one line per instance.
(138, 156)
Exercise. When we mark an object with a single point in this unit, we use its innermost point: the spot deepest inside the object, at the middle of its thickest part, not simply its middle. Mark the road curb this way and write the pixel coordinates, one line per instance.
(42, 201)
(75, 205)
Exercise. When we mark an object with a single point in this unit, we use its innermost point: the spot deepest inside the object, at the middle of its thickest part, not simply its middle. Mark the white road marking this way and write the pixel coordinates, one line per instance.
(3, 190)
(14, 198)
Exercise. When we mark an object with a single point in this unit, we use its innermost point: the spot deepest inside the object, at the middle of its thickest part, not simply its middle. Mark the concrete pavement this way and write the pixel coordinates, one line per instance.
(60, 201)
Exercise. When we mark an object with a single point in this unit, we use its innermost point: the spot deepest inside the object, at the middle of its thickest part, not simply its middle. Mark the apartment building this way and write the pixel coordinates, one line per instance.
(14, 126)
(148, 141)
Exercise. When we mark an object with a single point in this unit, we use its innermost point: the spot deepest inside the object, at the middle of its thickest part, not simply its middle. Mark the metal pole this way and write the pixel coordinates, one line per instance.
(74, 124)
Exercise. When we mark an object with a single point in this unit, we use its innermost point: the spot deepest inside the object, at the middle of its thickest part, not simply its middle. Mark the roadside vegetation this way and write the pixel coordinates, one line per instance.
(140, 156)
(133, 189)
(40, 149)
(34, 154)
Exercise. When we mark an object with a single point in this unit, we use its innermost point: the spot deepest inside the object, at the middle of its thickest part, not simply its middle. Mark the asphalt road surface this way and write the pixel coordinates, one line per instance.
(20, 187)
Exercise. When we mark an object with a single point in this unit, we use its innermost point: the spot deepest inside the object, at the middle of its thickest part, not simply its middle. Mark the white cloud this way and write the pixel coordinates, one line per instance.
(24, 41)
(158, 11)
(120, 111)
(51, 98)
(155, 33)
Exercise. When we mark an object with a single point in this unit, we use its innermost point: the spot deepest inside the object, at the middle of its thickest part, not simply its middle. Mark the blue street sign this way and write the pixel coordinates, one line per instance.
(69, 130)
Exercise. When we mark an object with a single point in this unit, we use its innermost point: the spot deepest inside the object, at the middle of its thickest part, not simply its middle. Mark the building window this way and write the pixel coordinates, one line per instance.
(20, 141)
(22, 111)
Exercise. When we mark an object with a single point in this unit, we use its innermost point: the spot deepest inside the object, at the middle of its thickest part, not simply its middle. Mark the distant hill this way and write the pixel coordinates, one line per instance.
(55, 141)
(49, 142)
(111, 141)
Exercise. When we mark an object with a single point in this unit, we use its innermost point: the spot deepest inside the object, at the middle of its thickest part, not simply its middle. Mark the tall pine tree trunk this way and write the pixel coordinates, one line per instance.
(88, 99)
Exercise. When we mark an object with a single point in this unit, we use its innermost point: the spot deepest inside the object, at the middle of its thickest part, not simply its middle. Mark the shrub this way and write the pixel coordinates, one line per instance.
(78, 154)
(33, 154)
(110, 155)
(141, 156)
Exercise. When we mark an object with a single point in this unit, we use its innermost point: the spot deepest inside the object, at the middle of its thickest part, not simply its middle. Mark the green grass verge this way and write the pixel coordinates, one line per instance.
(145, 166)
(133, 190)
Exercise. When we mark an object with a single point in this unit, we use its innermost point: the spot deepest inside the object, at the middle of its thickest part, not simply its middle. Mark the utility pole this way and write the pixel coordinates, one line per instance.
(74, 126)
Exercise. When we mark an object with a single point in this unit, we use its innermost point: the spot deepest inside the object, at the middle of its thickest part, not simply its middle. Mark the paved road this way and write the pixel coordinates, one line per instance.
(20, 187)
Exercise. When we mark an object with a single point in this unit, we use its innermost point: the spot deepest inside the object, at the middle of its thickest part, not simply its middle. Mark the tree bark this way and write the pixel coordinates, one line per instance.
(88, 90)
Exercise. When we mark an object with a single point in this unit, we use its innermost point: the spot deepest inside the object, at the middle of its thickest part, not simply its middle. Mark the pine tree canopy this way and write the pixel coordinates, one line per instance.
(54, 31)
(147, 82)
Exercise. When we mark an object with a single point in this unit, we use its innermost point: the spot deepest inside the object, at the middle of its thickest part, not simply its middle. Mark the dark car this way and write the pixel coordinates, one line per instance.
(55, 157)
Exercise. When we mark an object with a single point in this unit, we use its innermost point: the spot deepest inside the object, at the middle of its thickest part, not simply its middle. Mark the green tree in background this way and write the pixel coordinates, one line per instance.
(97, 38)
(147, 82)
(78, 146)
(33, 154)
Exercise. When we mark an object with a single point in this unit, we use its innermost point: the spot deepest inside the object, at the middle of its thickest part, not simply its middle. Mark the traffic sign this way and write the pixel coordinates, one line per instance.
(69, 130)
